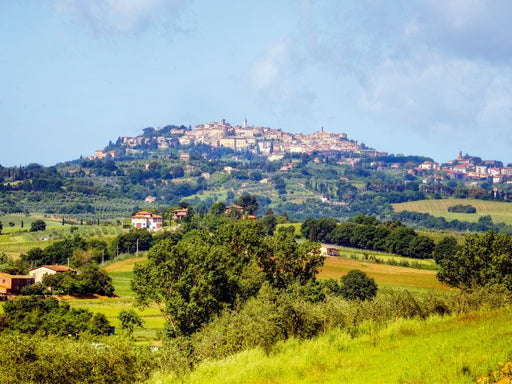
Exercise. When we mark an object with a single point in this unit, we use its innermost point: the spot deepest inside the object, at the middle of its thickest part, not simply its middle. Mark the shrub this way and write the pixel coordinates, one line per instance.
(37, 225)
(461, 208)
(356, 285)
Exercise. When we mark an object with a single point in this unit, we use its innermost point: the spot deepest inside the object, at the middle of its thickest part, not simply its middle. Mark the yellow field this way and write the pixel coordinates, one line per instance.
(335, 267)
(498, 210)
(124, 265)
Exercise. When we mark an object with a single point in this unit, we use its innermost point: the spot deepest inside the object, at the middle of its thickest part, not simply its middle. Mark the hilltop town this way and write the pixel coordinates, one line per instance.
(265, 141)
(467, 168)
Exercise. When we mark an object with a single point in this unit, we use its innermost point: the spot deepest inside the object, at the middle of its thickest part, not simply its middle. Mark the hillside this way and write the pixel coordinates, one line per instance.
(498, 210)
(439, 350)
(163, 168)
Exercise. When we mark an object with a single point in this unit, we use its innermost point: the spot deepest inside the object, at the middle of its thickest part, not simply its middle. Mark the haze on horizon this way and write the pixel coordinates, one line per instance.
(409, 76)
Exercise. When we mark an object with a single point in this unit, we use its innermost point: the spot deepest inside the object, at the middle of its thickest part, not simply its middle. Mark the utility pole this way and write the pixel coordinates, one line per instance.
(137, 247)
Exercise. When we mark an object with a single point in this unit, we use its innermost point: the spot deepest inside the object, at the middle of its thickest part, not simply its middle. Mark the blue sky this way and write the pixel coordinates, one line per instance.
(419, 77)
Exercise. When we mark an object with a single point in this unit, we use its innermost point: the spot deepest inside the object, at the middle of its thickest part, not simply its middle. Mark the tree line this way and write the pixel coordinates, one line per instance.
(366, 232)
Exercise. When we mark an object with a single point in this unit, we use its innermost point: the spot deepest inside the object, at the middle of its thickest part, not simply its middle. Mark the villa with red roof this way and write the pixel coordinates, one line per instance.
(147, 220)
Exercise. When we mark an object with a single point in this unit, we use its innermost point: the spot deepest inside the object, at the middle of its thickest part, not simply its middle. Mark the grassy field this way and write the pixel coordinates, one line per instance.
(15, 241)
(437, 350)
(386, 276)
(499, 211)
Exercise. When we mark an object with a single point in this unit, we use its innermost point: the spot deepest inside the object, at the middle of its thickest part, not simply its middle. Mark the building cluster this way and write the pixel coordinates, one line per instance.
(469, 168)
(273, 143)
(14, 284)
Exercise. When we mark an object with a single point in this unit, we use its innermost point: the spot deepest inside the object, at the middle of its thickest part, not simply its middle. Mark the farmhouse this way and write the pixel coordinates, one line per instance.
(179, 214)
(40, 272)
(13, 284)
(234, 208)
(147, 220)
(329, 251)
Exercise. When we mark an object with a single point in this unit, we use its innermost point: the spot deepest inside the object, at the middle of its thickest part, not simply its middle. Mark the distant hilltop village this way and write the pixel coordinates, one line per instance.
(273, 143)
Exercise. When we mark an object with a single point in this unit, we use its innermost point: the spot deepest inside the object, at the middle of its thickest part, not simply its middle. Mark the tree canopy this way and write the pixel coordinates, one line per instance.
(484, 260)
(193, 279)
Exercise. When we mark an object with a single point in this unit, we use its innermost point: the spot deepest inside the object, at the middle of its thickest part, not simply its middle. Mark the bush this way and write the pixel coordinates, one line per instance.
(37, 225)
(48, 360)
(356, 285)
(461, 208)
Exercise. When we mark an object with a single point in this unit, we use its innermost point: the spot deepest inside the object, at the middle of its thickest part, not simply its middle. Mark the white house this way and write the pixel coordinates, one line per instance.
(39, 272)
(147, 220)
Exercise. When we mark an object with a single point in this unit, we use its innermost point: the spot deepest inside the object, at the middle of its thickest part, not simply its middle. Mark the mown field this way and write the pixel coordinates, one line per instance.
(500, 212)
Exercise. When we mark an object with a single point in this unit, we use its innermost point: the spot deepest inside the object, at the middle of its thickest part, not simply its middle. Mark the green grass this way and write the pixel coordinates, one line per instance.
(499, 211)
(437, 350)
(121, 274)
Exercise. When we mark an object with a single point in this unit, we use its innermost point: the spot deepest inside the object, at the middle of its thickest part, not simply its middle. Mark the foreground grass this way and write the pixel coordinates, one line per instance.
(437, 350)
(499, 211)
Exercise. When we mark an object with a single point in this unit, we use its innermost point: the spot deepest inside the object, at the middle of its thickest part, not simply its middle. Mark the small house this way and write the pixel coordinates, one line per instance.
(179, 214)
(40, 272)
(13, 284)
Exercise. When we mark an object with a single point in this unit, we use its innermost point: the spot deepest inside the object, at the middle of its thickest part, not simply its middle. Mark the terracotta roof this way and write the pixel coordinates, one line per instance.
(144, 214)
(56, 268)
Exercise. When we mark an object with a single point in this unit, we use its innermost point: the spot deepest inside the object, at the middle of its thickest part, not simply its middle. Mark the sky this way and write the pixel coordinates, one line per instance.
(412, 77)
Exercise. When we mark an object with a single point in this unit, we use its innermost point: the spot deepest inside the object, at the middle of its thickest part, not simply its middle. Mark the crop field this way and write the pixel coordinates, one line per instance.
(388, 275)
(499, 211)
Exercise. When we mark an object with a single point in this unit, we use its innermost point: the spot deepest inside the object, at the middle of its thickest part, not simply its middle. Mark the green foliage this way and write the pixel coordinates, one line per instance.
(37, 225)
(31, 314)
(446, 249)
(218, 208)
(129, 320)
(462, 208)
(288, 261)
(248, 202)
(356, 285)
(47, 360)
(139, 239)
(89, 280)
(318, 229)
(367, 232)
(484, 260)
(195, 278)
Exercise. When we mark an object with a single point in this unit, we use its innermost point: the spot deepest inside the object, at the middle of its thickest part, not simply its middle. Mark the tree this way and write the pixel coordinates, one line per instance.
(287, 261)
(37, 225)
(189, 281)
(484, 260)
(218, 208)
(269, 221)
(248, 202)
(446, 248)
(99, 325)
(140, 239)
(356, 285)
(129, 320)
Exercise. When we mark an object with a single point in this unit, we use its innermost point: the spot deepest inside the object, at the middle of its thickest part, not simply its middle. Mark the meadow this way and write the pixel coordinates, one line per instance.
(501, 212)
(453, 349)
(449, 349)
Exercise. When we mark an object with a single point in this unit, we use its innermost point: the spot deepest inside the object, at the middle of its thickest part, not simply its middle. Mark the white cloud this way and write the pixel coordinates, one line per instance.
(271, 68)
(122, 16)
